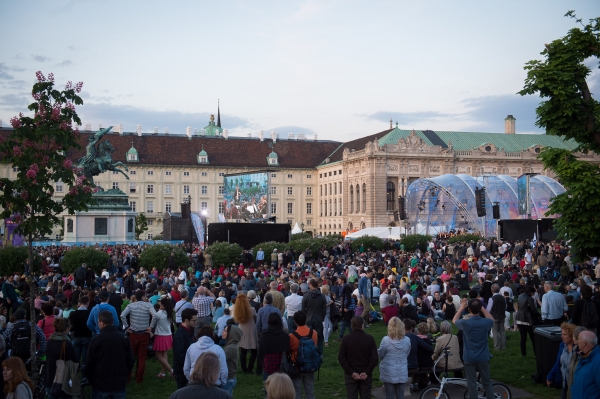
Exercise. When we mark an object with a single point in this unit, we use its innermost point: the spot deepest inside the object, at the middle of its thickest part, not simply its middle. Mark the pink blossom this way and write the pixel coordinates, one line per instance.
(67, 164)
(34, 167)
(56, 114)
(78, 87)
(17, 151)
(79, 180)
(95, 190)
(87, 189)
(31, 174)
(36, 96)
(51, 77)
(45, 160)
(73, 191)
(24, 194)
(40, 76)
(15, 122)
(69, 85)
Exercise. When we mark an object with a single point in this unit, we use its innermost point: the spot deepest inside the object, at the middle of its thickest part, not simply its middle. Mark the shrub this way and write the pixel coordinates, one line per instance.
(268, 247)
(158, 255)
(367, 242)
(12, 259)
(464, 238)
(410, 242)
(300, 236)
(225, 253)
(74, 257)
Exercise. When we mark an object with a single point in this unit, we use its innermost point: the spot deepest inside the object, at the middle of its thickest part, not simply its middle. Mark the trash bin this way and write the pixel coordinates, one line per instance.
(547, 343)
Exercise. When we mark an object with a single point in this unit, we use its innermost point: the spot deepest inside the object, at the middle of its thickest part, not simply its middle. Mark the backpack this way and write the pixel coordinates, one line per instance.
(21, 340)
(309, 358)
(589, 315)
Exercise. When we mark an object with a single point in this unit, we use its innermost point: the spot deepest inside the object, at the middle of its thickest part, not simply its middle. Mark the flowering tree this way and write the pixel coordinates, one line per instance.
(38, 148)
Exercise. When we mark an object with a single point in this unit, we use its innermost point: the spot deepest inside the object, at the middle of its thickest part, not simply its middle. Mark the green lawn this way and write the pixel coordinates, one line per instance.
(507, 366)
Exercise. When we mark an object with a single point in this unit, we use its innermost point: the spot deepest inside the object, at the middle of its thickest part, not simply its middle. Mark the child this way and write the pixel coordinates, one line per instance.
(359, 306)
(68, 310)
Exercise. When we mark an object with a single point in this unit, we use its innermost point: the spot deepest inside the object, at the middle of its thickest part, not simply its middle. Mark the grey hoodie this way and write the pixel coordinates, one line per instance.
(394, 360)
(205, 344)
(231, 350)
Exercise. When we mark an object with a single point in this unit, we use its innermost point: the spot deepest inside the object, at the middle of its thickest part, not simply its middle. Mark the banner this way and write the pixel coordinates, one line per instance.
(199, 227)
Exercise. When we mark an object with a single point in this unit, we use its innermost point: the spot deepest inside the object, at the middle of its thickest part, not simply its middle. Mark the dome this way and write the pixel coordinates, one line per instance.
(273, 155)
(132, 151)
(203, 153)
(132, 154)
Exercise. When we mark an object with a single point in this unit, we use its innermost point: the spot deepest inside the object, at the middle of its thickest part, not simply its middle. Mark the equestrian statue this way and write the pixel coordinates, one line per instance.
(98, 158)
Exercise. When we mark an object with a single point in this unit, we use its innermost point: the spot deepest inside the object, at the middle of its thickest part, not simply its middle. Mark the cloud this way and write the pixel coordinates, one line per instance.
(65, 63)
(40, 58)
(406, 118)
(14, 101)
(130, 117)
(3, 72)
(72, 48)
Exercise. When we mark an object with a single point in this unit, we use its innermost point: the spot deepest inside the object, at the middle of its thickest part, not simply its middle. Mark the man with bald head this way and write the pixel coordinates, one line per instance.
(586, 382)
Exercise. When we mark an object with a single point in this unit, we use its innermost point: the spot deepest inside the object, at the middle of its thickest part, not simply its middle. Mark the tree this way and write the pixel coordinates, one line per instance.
(411, 240)
(38, 148)
(225, 253)
(141, 225)
(367, 242)
(158, 255)
(94, 258)
(570, 111)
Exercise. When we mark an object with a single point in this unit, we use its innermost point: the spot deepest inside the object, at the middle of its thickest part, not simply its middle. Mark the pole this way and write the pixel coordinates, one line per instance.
(206, 231)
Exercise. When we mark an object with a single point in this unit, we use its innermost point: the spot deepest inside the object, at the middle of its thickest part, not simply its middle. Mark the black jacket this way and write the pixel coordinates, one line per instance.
(182, 339)
(417, 347)
(358, 353)
(78, 319)
(53, 353)
(528, 312)
(109, 360)
(314, 304)
(409, 312)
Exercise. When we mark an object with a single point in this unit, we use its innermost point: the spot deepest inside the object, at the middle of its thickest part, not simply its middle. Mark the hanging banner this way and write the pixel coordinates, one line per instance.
(199, 227)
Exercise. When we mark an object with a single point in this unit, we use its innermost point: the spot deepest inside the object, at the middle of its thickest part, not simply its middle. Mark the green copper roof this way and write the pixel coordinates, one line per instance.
(272, 154)
(203, 153)
(132, 150)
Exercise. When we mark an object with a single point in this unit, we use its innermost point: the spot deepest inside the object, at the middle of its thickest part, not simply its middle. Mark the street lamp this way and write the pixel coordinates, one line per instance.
(302, 227)
(390, 230)
(204, 214)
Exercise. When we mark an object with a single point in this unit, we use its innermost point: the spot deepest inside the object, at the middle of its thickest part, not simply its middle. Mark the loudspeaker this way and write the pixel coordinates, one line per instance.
(496, 210)
(402, 202)
(480, 201)
(396, 219)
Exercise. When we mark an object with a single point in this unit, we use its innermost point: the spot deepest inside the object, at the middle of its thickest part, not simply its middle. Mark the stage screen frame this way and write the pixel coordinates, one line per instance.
(523, 194)
(247, 195)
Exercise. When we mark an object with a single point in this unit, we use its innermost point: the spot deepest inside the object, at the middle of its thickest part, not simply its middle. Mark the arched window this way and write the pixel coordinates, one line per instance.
(330, 208)
(325, 207)
(340, 202)
(391, 196)
(335, 207)
(357, 198)
(351, 199)
(364, 197)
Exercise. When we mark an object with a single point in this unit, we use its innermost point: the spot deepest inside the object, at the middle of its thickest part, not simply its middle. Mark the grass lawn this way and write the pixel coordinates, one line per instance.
(507, 366)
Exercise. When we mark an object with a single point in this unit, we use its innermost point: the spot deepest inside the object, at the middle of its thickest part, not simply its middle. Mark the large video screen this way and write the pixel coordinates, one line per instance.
(523, 193)
(245, 196)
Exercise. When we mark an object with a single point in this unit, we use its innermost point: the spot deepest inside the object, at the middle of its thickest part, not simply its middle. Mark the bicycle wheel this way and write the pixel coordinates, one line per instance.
(433, 392)
(501, 391)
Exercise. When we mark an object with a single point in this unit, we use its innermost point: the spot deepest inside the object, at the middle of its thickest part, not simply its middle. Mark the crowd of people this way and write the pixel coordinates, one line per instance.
(273, 315)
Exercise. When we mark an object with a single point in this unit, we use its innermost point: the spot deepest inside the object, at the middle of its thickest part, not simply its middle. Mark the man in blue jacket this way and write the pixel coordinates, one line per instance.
(364, 291)
(586, 382)
(92, 322)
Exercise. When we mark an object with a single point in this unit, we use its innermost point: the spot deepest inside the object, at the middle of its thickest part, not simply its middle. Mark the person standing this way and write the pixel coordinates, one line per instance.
(245, 315)
(80, 274)
(358, 357)
(109, 360)
(182, 305)
(202, 302)
(526, 318)
(314, 304)
(205, 344)
(476, 354)
(183, 338)
(9, 293)
(364, 291)
(163, 340)
(260, 258)
(59, 347)
(497, 308)
(393, 352)
(586, 382)
(306, 380)
(138, 329)
(81, 333)
(92, 322)
(293, 304)
(554, 306)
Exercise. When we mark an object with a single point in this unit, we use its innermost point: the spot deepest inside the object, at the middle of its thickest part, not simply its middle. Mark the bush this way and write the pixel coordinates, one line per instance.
(12, 259)
(410, 242)
(367, 242)
(74, 257)
(268, 247)
(158, 255)
(158, 237)
(464, 238)
(300, 236)
(225, 253)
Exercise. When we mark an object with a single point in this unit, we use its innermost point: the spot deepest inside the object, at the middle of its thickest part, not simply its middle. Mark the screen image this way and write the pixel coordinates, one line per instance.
(246, 195)
(523, 193)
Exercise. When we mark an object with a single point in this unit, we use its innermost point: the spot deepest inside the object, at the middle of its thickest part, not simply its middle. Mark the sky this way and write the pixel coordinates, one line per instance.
(336, 68)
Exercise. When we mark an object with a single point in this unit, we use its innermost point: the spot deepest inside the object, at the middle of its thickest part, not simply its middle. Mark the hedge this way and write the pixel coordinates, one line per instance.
(410, 242)
(464, 238)
(12, 259)
(225, 253)
(367, 242)
(74, 257)
(157, 256)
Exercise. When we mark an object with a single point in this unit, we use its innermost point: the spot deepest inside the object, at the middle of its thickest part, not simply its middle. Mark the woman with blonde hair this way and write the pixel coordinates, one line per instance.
(280, 386)
(17, 384)
(245, 316)
(393, 352)
(203, 380)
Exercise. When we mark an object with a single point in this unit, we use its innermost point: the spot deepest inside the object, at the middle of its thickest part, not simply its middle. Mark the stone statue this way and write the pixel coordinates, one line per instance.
(98, 158)
(130, 226)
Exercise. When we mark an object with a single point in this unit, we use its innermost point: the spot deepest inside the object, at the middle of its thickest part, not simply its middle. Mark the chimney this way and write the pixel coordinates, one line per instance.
(88, 127)
(138, 130)
(390, 123)
(315, 139)
(202, 132)
(0, 123)
(261, 136)
(510, 125)
(301, 136)
(155, 129)
(119, 129)
(188, 132)
(225, 133)
(274, 136)
(290, 136)
(166, 130)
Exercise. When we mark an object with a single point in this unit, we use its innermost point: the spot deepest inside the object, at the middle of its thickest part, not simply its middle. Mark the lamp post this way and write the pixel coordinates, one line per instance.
(302, 227)
(390, 230)
(204, 214)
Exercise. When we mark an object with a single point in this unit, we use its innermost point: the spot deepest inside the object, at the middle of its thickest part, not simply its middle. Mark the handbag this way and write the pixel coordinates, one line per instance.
(288, 367)
(57, 382)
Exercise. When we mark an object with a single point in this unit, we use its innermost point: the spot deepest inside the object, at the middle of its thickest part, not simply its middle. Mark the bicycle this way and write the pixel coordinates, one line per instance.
(40, 384)
(501, 391)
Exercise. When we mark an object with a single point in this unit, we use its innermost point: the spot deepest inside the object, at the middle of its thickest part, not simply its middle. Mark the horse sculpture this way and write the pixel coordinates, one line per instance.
(99, 160)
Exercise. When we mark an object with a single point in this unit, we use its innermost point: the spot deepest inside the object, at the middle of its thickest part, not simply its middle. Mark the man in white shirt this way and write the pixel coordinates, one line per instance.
(293, 304)
(182, 305)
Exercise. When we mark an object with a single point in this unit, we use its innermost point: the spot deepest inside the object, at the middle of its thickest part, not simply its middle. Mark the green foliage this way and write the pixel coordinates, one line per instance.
(299, 236)
(569, 110)
(157, 256)
(464, 238)
(225, 253)
(158, 237)
(269, 246)
(12, 259)
(578, 206)
(411, 240)
(367, 242)
(94, 258)
(141, 225)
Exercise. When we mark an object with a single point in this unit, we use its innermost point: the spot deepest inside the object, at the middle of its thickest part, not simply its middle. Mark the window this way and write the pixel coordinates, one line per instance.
(330, 190)
(59, 187)
(391, 196)
(168, 189)
(321, 189)
(115, 185)
(364, 197)
(309, 222)
(290, 208)
(335, 172)
(340, 202)
(186, 189)
(325, 189)
(115, 172)
(330, 209)
(150, 235)
(340, 171)
(149, 206)
(150, 222)
(168, 173)
(221, 174)
(221, 207)
(203, 206)
(272, 161)
(325, 207)
(168, 207)
(335, 207)
(290, 176)
(351, 199)
(221, 190)
(150, 189)
(308, 190)
(290, 191)
(186, 173)
(335, 188)
(132, 205)
(357, 198)
(150, 173)
(132, 187)
(340, 184)
(15, 169)
(289, 221)
(132, 172)
(309, 176)
(57, 237)
(321, 208)
(320, 175)
(204, 190)
(273, 190)
(204, 174)
(273, 207)
(309, 208)
(273, 174)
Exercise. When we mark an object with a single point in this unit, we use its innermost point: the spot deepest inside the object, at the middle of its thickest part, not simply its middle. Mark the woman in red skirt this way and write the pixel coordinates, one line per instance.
(163, 340)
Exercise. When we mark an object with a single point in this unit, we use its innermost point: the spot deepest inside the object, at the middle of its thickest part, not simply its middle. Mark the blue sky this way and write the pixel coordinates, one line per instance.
(340, 69)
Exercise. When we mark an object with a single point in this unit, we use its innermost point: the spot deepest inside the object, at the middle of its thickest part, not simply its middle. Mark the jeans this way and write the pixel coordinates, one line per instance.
(343, 325)
(229, 385)
(81, 344)
(524, 330)
(200, 322)
(353, 387)
(318, 327)
(499, 335)
(327, 328)
(247, 367)
(291, 324)
(306, 380)
(471, 370)
(109, 395)
(139, 346)
(394, 391)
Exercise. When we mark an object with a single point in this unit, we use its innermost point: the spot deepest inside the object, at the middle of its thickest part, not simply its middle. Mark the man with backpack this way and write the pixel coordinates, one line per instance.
(19, 336)
(305, 355)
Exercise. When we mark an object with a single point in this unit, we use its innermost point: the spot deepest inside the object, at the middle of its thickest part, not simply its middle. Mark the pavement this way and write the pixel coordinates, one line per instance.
(454, 391)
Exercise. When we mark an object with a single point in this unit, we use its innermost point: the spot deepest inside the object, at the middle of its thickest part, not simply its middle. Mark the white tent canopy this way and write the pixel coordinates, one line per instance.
(296, 229)
(381, 232)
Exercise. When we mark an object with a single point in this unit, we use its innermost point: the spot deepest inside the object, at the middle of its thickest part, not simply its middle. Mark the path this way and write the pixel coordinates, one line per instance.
(454, 391)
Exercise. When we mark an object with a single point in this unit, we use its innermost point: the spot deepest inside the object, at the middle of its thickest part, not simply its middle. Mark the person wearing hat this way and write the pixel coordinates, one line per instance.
(92, 322)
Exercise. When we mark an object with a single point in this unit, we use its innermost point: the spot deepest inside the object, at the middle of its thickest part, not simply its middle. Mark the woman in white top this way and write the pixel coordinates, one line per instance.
(163, 340)
(182, 278)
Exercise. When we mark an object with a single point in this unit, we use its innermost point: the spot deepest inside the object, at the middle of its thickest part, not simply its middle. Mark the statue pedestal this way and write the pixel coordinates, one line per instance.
(109, 220)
